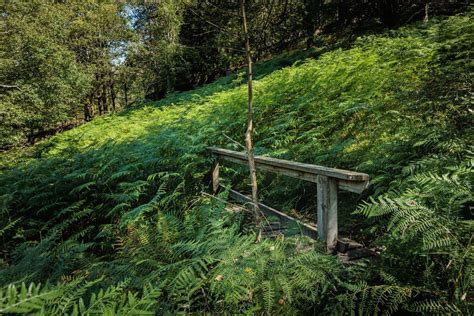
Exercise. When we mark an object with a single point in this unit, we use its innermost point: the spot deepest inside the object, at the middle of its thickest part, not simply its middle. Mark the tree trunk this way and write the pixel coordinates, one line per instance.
(249, 131)
(93, 107)
(87, 110)
(112, 96)
(104, 99)
(125, 94)
(99, 104)
(427, 5)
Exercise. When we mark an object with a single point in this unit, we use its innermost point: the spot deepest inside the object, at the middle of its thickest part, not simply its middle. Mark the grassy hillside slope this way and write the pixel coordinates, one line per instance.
(117, 202)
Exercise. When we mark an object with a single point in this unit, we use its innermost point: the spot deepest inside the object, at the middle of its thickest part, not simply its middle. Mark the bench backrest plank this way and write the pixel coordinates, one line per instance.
(350, 181)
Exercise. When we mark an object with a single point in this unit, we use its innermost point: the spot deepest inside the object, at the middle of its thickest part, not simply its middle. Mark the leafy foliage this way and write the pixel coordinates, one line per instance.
(56, 58)
(110, 215)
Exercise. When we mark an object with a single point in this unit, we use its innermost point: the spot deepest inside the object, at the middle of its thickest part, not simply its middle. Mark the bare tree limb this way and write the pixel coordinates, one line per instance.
(7, 86)
(234, 141)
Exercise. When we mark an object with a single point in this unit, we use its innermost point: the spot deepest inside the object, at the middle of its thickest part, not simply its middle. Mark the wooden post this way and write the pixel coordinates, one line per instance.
(327, 211)
(215, 177)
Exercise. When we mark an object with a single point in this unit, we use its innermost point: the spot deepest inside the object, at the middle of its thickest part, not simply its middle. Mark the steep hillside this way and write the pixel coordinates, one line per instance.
(117, 202)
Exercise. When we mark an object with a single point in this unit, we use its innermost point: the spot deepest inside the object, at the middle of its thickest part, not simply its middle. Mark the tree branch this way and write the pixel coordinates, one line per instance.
(7, 86)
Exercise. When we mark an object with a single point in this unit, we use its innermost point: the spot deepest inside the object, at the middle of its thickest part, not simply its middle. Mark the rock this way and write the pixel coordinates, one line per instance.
(358, 253)
(346, 244)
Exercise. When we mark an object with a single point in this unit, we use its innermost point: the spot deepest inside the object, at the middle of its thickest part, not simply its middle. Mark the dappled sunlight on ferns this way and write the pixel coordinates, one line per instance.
(110, 217)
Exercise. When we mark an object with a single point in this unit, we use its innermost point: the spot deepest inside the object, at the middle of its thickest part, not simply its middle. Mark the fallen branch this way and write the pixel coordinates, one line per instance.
(7, 86)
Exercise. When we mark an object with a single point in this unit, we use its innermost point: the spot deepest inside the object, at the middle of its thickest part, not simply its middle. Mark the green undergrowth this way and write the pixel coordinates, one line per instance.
(111, 217)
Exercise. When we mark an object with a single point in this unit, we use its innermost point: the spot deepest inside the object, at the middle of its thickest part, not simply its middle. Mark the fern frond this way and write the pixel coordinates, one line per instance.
(25, 299)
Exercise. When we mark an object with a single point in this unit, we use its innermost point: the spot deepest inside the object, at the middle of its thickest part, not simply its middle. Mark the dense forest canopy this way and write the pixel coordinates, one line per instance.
(106, 112)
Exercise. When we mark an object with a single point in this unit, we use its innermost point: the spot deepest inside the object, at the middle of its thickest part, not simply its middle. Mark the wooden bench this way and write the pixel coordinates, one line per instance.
(328, 181)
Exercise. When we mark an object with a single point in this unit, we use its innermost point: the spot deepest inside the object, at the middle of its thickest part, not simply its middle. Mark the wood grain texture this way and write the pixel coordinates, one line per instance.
(327, 211)
(215, 177)
(298, 170)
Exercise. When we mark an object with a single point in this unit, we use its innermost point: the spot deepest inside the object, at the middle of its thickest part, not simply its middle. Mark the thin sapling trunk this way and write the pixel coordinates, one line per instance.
(249, 131)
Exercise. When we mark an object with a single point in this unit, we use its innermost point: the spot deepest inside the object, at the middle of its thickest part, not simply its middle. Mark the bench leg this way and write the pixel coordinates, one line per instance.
(327, 211)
